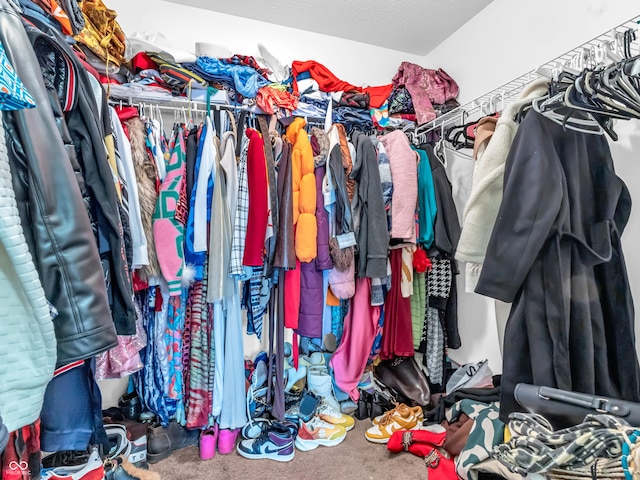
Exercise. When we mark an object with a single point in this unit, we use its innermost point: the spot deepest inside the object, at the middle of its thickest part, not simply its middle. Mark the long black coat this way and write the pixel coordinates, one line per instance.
(555, 253)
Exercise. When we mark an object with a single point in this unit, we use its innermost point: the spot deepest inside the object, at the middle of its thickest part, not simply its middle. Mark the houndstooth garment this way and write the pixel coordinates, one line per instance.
(536, 448)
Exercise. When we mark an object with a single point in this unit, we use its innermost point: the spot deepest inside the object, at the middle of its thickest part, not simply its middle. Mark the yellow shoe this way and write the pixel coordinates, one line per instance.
(401, 418)
(327, 413)
(405, 412)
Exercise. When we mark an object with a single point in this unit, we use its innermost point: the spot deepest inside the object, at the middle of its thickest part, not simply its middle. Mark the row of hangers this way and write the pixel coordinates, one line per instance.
(591, 100)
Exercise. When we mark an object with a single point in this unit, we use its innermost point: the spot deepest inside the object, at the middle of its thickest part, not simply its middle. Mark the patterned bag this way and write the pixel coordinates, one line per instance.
(400, 101)
(13, 94)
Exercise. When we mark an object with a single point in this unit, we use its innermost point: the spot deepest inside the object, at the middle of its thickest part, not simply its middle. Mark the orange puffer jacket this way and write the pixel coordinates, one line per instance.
(304, 192)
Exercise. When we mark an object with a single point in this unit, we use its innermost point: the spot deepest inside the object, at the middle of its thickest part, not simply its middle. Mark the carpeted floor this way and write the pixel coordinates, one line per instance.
(353, 459)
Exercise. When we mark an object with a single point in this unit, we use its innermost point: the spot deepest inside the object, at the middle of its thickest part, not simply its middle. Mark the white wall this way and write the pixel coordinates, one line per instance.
(505, 40)
(355, 62)
(512, 37)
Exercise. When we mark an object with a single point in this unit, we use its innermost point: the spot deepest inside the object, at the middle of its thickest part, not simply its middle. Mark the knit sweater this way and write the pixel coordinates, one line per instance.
(486, 190)
(404, 168)
(168, 232)
(304, 191)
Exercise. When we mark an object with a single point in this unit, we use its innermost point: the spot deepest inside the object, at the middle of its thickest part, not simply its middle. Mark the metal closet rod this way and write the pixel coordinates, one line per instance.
(191, 107)
(506, 93)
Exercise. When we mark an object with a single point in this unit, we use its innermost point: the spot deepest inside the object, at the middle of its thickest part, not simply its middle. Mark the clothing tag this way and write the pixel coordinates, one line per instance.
(346, 240)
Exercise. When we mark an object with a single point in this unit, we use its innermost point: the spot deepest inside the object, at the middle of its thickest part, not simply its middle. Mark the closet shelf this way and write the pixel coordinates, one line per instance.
(589, 53)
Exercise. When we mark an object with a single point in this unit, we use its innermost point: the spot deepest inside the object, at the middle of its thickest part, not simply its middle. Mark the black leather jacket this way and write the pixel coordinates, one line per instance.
(53, 215)
(58, 62)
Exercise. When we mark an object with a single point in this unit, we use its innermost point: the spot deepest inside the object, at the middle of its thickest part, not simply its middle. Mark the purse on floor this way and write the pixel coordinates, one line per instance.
(565, 409)
(403, 375)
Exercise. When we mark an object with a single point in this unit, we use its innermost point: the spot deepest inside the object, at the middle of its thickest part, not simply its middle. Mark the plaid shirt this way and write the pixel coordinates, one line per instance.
(236, 269)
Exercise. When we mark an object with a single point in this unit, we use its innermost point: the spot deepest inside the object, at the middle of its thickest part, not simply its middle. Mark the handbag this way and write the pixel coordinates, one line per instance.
(565, 409)
(471, 375)
(373, 404)
(403, 375)
(400, 101)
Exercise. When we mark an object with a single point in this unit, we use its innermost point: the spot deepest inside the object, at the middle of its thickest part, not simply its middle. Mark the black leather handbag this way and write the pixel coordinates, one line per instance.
(564, 409)
(403, 375)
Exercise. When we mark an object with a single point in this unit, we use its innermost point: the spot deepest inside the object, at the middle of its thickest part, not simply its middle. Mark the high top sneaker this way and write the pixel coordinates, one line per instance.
(319, 382)
(274, 443)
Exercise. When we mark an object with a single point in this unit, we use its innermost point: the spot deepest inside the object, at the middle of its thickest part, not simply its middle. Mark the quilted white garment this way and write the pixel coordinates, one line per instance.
(27, 340)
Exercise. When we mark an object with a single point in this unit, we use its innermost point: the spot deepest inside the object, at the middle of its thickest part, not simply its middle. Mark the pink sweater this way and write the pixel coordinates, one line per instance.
(168, 232)
(404, 175)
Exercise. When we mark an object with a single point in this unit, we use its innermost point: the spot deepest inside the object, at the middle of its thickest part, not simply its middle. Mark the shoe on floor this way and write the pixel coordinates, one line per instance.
(403, 410)
(227, 440)
(335, 417)
(92, 470)
(208, 441)
(317, 432)
(254, 428)
(66, 458)
(164, 441)
(275, 443)
(400, 418)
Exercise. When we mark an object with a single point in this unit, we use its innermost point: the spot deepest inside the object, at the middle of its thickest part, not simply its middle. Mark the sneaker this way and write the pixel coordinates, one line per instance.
(93, 470)
(317, 432)
(275, 443)
(327, 413)
(254, 428)
(400, 418)
(68, 458)
(403, 410)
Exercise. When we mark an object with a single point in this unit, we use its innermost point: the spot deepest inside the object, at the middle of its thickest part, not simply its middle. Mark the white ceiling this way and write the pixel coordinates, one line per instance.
(411, 26)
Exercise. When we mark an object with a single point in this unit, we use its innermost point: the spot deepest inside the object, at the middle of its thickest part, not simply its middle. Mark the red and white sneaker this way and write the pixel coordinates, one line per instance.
(92, 470)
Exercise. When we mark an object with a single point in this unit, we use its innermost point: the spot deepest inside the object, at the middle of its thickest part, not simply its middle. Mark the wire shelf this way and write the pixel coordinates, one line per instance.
(587, 54)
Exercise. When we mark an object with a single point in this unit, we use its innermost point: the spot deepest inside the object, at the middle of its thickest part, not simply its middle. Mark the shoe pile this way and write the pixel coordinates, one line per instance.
(314, 415)
(402, 417)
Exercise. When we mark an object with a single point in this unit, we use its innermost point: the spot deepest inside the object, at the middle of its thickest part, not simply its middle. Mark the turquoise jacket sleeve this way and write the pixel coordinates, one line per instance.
(426, 200)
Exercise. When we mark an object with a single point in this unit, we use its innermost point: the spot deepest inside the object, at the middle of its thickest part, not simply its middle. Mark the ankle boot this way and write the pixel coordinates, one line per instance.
(321, 384)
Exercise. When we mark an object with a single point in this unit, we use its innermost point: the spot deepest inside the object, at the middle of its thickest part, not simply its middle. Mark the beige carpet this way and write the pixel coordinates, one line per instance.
(353, 459)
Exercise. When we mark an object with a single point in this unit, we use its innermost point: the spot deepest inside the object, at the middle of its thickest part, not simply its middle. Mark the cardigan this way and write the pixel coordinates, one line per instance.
(486, 190)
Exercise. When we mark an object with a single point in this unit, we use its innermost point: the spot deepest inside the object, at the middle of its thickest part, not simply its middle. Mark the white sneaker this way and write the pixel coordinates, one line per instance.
(317, 432)
(93, 470)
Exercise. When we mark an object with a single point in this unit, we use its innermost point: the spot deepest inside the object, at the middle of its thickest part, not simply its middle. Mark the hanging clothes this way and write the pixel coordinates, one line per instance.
(555, 253)
(485, 197)
(258, 210)
(304, 192)
(360, 327)
(167, 228)
(397, 339)
(427, 208)
(372, 236)
(233, 413)
(404, 166)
